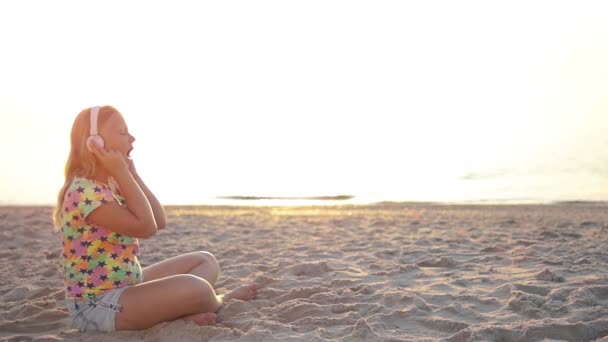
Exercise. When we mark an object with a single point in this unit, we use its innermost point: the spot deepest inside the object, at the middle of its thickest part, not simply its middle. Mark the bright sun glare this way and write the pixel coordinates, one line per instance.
(390, 100)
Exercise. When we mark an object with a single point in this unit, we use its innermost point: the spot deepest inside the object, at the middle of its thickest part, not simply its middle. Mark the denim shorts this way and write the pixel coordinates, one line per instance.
(97, 313)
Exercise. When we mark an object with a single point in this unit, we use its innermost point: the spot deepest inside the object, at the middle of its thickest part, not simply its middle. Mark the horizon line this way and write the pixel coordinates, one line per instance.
(380, 203)
(288, 198)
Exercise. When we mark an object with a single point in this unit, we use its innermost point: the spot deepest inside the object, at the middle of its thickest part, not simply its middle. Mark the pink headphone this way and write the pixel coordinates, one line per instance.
(94, 138)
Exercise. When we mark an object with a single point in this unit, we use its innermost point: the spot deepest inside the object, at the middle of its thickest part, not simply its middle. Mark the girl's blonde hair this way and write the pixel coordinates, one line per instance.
(81, 161)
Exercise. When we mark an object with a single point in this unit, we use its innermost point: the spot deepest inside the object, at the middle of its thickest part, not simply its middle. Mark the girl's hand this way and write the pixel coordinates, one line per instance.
(112, 160)
(131, 166)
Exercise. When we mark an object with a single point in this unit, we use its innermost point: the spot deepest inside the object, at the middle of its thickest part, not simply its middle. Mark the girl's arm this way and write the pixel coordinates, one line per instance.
(159, 212)
(137, 219)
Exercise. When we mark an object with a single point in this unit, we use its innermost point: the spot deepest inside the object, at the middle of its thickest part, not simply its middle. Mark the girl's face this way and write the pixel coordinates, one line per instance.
(116, 135)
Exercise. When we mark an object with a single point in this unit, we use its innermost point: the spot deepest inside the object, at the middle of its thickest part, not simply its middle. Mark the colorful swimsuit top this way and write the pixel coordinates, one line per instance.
(96, 259)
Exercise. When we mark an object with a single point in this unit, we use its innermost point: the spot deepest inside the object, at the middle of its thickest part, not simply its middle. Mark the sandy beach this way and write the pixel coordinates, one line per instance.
(386, 272)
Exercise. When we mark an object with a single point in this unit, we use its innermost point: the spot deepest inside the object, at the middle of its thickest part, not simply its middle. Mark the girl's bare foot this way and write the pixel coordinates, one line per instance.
(243, 292)
(207, 318)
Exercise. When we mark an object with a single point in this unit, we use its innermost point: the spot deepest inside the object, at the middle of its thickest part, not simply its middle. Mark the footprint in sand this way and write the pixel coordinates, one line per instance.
(441, 262)
(308, 269)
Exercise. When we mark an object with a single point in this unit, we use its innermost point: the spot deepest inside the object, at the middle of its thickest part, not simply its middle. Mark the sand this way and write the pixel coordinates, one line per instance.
(391, 272)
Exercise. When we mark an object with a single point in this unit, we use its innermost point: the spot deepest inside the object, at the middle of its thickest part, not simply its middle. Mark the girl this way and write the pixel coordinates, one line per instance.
(102, 209)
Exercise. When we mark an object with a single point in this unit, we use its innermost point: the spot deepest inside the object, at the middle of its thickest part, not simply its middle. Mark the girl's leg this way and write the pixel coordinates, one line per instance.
(201, 264)
(179, 296)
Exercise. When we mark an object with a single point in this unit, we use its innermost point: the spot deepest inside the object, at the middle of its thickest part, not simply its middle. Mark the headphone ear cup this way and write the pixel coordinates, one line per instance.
(95, 140)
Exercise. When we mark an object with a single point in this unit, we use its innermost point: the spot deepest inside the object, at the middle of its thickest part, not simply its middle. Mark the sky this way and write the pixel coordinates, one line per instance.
(408, 100)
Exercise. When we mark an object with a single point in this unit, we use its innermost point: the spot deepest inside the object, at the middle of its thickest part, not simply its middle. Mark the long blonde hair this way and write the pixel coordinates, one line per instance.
(81, 161)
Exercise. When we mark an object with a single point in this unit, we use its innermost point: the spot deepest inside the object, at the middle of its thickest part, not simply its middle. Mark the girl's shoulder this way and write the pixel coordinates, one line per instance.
(79, 182)
(86, 189)
(85, 195)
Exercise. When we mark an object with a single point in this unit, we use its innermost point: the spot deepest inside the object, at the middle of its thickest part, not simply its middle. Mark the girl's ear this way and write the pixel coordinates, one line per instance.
(95, 140)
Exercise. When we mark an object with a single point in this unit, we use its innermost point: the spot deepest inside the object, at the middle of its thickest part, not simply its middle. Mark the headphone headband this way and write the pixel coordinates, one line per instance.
(94, 114)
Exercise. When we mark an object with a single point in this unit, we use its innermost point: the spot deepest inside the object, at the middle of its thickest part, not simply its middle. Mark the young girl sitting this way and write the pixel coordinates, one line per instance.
(102, 209)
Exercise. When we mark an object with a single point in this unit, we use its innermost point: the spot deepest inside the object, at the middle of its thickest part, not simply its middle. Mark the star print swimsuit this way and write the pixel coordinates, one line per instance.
(99, 263)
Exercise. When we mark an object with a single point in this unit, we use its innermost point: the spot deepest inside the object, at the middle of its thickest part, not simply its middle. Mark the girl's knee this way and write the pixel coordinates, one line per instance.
(198, 291)
(208, 258)
(189, 294)
(193, 286)
(211, 264)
